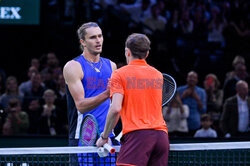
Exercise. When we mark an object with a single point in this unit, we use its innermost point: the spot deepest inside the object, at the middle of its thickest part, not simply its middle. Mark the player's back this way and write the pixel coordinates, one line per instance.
(142, 86)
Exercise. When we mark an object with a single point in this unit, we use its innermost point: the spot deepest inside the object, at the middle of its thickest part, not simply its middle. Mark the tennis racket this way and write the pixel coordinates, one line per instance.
(89, 133)
(168, 89)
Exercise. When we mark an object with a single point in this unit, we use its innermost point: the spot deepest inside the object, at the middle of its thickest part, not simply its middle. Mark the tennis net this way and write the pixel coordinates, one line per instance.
(188, 154)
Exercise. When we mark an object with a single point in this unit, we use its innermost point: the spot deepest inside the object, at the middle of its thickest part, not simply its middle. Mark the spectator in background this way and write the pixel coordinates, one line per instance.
(200, 25)
(10, 92)
(155, 21)
(237, 60)
(36, 90)
(34, 111)
(173, 27)
(52, 61)
(186, 23)
(26, 86)
(51, 71)
(161, 4)
(17, 121)
(2, 82)
(173, 31)
(175, 114)
(62, 102)
(240, 74)
(7, 129)
(60, 88)
(243, 30)
(216, 27)
(137, 11)
(235, 117)
(214, 98)
(48, 121)
(206, 131)
(69, 10)
(195, 98)
(35, 63)
(3, 115)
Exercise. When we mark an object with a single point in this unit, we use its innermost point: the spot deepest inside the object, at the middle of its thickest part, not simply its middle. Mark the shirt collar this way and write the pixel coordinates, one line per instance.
(240, 99)
(140, 62)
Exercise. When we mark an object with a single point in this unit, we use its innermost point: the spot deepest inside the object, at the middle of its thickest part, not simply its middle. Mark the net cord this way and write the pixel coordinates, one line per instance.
(92, 149)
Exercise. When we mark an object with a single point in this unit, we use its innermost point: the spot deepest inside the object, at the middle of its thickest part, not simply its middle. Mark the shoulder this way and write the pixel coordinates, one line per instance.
(200, 90)
(72, 69)
(214, 131)
(120, 73)
(198, 132)
(185, 107)
(181, 88)
(232, 99)
(71, 65)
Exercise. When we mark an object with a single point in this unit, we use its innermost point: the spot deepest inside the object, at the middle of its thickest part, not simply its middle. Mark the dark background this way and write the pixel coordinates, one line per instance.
(19, 43)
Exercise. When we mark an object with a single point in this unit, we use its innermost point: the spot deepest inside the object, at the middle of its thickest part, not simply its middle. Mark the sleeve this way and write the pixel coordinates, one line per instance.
(185, 114)
(214, 134)
(225, 116)
(166, 116)
(116, 85)
(197, 134)
(203, 97)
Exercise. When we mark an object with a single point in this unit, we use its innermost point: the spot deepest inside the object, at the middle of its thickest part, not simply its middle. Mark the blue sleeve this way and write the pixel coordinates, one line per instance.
(203, 97)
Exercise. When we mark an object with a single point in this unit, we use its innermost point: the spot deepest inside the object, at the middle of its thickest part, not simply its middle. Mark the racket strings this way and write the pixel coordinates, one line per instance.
(169, 88)
(89, 131)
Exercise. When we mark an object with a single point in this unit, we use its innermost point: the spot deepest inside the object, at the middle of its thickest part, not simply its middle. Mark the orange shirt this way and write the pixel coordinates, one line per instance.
(141, 86)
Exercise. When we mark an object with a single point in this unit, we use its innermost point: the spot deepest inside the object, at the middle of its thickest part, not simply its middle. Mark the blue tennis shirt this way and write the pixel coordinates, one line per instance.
(94, 83)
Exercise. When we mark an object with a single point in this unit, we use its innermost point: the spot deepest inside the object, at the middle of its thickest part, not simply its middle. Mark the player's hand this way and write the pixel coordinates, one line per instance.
(187, 93)
(100, 142)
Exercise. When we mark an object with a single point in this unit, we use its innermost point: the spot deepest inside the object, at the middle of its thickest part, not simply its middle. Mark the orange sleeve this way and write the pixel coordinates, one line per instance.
(116, 85)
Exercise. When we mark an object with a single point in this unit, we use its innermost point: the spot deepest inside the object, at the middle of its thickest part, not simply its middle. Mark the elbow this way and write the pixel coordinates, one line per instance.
(116, 109)
(81, 108)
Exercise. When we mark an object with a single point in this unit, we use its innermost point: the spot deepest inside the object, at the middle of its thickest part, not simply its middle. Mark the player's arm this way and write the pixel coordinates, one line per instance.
(112, 117)
(73, 75)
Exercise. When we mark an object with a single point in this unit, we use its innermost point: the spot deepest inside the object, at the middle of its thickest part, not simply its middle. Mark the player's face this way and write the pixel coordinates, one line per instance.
(93, 40)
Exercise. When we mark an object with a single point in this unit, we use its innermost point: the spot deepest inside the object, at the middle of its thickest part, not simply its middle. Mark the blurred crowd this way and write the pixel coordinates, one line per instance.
(36, 106)
(204, 44)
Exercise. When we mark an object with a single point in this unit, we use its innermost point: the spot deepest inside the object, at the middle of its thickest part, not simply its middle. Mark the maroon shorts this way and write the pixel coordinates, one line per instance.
(144, 147)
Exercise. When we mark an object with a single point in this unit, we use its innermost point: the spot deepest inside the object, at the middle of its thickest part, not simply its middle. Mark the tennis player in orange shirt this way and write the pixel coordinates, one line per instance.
(136, 91)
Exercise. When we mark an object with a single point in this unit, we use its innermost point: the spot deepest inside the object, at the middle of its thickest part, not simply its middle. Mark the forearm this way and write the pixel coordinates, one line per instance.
(200, 104)
(88, 104)
(111, 121)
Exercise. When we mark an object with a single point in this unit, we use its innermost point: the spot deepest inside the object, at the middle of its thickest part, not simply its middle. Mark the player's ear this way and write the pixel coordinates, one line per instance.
(127, 52)
(147, 54)
(82, 42)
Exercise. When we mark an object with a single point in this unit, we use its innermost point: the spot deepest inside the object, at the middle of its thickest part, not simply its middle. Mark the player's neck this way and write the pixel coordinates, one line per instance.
(131, 58)
(91, 57)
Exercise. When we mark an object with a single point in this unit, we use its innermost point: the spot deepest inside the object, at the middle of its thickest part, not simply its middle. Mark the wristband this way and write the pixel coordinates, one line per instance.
(103, 137)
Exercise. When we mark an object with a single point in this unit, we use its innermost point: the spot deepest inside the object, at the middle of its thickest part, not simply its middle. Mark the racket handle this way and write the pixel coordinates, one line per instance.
(105, 150)
(109, 148)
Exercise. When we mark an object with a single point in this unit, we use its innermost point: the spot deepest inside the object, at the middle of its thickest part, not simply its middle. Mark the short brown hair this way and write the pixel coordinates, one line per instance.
(14, 102)
(205, 117)
(139, 45)
(81, 32)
